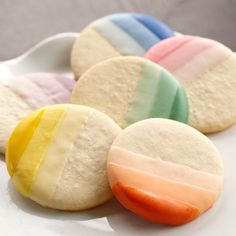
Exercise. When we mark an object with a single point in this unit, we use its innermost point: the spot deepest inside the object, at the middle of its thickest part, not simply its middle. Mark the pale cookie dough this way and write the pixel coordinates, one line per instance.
(21, 95)
(57, 156)
(207, 71)
(129, 89)
(165, 171)
(124, 34)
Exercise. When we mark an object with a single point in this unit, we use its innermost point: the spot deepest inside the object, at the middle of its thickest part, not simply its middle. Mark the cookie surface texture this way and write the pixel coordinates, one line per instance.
(57, 156)
(129, 89)
(21, 95)
(207, 71)
(165, 171)
(116, 35)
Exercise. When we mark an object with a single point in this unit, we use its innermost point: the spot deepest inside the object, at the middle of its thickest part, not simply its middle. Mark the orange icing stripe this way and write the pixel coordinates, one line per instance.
(169, 170)
(161, 187)
(156, 209)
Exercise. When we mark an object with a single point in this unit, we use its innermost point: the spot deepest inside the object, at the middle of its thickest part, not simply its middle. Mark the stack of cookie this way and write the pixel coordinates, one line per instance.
(143, 97)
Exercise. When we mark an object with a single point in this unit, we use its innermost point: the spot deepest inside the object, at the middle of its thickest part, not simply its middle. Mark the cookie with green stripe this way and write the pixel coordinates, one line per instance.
(130, 89)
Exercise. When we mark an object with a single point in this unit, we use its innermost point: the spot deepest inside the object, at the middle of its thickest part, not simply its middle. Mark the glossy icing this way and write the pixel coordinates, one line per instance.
(132, 34)
(166, 97)
(140, 90)
(169, 170)
(161, 186)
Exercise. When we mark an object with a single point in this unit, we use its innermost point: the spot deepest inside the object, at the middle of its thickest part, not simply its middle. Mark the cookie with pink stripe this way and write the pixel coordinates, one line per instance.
(164, 171)
(207, 70)
(21, 95)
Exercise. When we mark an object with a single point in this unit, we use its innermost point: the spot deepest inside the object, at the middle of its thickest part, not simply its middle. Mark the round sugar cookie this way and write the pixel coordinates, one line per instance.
(126, 34)
(164, 171)
(207, 71)
(57, 156)
(21, 95)
(129, 89)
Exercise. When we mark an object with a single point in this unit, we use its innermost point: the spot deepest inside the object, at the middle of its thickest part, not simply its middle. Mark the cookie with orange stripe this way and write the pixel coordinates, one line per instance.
(57, 156)
(165, 171)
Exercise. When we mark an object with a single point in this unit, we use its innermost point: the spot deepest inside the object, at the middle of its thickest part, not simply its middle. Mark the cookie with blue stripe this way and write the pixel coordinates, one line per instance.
(123, 34)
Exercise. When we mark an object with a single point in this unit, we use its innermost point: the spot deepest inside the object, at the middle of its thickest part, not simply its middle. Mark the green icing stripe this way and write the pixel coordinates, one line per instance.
(180, 109)
(164, 97)
(144, 95)
(158, 94)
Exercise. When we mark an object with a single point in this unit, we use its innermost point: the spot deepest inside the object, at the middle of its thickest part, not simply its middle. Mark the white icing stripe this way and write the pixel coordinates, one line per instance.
(51, 169)
(125, 44)
(30, 92)
(201, 198)
(201, 63)
(171, 171)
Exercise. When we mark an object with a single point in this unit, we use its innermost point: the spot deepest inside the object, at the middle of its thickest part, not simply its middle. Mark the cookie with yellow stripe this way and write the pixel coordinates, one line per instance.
(57, 156)
(23, 94)
(165, 171)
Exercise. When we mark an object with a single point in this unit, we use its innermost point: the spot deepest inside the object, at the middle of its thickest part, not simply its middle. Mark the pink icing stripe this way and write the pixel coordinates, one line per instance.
(201, 63)
(182, 55)
(29, 92)
(51, 86)
(166, 47)
(66, 82)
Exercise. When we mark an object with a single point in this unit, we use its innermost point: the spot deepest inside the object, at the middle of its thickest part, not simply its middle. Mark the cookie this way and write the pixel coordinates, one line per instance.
(57, 156)
(207, 71)
(164, 171)
(124, 34)
(21, 95)
(129, 89)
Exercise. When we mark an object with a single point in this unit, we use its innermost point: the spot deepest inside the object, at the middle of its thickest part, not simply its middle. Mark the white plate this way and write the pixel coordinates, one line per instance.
(22, 217)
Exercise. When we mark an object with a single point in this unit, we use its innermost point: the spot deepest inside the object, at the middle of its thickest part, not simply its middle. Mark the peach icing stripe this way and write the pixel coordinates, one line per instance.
(169, 170)
(160, 186)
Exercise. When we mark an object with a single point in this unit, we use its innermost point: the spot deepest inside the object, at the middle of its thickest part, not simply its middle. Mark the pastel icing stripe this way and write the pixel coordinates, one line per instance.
(58, 152)
(156, 55)
(188, 57)
(137, 31)
(29, 92)
(201, 63)
(25, 129)
(41, 89)
(52, 87)
(166, 97)
(27, 168)
(184, 54)
(66, 82)
(154, 208)
(161, 30)
(121, 41)
(161, 186)
(169, 170)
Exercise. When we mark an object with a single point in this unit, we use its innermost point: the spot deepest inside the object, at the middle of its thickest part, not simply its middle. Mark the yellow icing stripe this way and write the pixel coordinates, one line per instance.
(20, 138)
(34, 153)
(169, 170)
(57, 154)
(202, 199)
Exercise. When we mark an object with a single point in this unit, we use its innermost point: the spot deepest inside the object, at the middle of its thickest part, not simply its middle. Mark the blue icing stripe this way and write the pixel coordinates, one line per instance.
(157, 27)
(135, 29)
